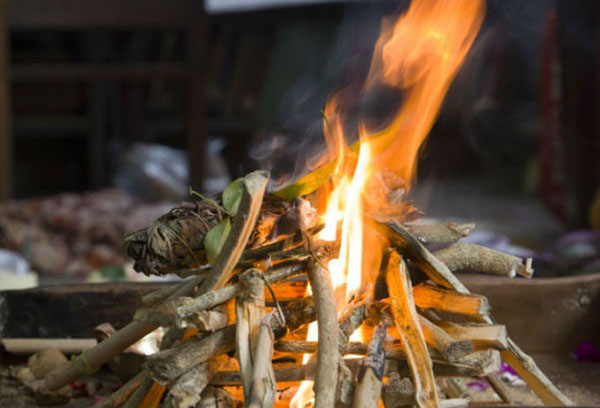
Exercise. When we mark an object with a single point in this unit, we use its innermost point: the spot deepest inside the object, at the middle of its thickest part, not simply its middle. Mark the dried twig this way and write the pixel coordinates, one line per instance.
(262, 387)
(118, 397)
(405, 317)
(327, 354)
(466, 256)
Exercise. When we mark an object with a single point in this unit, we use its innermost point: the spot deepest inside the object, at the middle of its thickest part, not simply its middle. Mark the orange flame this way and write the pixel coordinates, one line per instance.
(418, 55)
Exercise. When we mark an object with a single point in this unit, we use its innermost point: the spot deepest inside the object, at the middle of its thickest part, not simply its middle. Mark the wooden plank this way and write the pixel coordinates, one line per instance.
(90, 14)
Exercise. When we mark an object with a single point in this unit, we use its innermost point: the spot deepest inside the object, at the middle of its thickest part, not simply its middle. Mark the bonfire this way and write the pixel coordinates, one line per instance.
(327, 292)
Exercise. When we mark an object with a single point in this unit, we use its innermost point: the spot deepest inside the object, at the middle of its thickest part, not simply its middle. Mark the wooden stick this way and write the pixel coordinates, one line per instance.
(31, 346)
(466, 256)
(450, 348)
(107, 349)
(255, 184)
(440, 234)
(433, 297)
(167, 365)
(120, 396)
(262, 387)
(216, 297)
(327, 349)
(370, 375)
(249, 313)
(411, 336)
(483, 336)
(187, 389)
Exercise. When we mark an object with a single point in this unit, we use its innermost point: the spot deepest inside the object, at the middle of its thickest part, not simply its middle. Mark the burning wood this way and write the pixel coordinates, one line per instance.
(236, 246)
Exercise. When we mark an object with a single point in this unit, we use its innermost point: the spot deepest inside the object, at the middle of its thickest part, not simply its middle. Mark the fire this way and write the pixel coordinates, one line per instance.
(419, 54)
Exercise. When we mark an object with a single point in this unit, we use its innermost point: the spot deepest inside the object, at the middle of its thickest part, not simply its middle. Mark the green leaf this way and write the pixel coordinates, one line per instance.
(113, 272)
(215, 238)
(232, 195)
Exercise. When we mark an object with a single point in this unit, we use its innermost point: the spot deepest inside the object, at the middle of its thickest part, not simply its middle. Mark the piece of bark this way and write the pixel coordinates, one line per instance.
(188, 388)
(450, 348)
(106, 350)
(213, 298)
(351, 320)
(122, 394)
(262, 385)
(411, 336)
(369, 380)
(167, 365)
(440, 234)
(483, 336)
(249, 313)
(429, 296)
(409, 246)
(327, 349)
(466, 256)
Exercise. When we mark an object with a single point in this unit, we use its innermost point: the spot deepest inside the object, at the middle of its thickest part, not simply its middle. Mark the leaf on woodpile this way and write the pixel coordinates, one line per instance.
(215, 238)
(232, 195)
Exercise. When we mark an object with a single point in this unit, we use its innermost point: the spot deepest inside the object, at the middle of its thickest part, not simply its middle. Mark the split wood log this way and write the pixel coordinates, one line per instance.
(411, 336)
(263, 387)
(450, 348)
(254, 188)
(188, 388)
(370, 375)
(429, 296)
(122, 394)
(483, 336)
(406, 243)
(167, 365)
(249, 313)
(466, 256)
(454, 387)
(214, 298)
(327, 348)
(440, 234)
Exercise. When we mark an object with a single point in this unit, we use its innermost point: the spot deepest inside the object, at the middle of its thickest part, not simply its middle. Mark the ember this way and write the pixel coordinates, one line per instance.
(350, 305)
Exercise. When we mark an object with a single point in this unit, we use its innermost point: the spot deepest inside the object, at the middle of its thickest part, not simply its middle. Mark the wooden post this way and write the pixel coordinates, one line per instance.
(6, 148)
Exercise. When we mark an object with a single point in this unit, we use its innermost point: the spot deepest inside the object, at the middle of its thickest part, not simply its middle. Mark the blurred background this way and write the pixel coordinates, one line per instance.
(110, 110)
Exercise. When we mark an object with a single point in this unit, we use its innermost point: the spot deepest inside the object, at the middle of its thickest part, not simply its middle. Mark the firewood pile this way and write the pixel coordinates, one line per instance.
(237, 327)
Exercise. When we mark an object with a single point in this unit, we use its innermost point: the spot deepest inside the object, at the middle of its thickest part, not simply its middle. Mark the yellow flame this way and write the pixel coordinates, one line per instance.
(419, 54)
